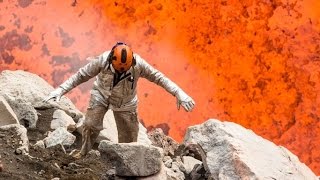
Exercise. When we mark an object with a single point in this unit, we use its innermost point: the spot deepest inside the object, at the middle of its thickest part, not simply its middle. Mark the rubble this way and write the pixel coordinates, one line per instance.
(189, 163)
(159, 139)
(233, 152)
(59, 136)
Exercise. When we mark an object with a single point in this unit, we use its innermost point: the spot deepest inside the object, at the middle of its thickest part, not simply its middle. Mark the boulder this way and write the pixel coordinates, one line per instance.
(7, 115)
(233, 152)
(61, 119)
(32, 89)
(159, 139)
(132, 159)
(161, 175)
(59, 136)
(164, 174)
(25, 112)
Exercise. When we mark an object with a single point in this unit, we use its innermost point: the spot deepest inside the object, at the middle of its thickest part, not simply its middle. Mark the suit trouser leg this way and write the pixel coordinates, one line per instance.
(93, 124)
(127, 125)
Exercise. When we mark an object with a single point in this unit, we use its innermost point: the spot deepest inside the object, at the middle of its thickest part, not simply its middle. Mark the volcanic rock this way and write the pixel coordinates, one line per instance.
(143, 136)
(33, 89)
(189, 163)
(198, 173)
(159, 139)
(59, 136)
(233, 152)
(132, 159)
(61, 119)
(7, 115)
(25, 112)
(176, 171)
(164, 174)
(161, 175)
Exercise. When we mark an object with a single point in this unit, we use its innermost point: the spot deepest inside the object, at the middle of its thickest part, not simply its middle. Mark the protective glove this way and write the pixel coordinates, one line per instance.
(185, 101)
(55, 95)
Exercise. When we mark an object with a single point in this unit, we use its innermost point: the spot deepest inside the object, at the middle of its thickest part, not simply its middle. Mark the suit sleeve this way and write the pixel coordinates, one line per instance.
(155, 76)
(85, 73)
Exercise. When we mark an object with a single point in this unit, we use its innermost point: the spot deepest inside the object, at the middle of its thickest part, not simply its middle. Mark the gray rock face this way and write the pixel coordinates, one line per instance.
(164, 174)
(233, 152)
(61, 119)
(161, 175)
(7, 115)
(132, 159)
(59, 136)
(32, 89)
(25, 112)
(143, 136)
(189, 163)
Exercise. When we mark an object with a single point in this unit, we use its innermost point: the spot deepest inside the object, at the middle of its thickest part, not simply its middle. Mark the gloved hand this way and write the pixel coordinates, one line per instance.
(185, 101)
(55, 95)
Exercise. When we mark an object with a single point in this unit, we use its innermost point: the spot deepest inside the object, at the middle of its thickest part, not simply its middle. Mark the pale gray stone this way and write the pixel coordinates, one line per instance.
(174, 172)
(61, 119)
(59, 136)
(132, 159)
(32, 89)
(7, 115)
(39, 144)
(233, 152)
(25, 112)
(143, 136)
(161, 175)
(189, 163)
(168, 163)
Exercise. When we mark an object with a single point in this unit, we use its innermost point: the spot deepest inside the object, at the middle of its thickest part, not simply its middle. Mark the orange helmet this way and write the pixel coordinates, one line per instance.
(121, 57)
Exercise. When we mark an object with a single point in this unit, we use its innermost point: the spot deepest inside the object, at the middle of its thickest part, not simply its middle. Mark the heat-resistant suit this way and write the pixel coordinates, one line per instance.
(120, 96)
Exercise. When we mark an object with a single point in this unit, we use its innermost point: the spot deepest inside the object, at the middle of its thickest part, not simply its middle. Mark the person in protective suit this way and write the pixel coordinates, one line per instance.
(117, 73)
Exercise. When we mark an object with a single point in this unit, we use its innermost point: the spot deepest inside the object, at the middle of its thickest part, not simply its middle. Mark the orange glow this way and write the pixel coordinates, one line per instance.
(252, 62)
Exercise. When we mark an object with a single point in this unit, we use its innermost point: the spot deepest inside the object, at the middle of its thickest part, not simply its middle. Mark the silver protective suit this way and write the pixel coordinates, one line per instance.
(123, 96)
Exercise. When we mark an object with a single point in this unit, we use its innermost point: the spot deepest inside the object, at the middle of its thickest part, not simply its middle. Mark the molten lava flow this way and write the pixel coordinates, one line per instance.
(251, 62)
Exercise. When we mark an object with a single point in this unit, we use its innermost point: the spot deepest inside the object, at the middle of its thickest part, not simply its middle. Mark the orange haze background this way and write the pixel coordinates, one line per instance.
(253, 62)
